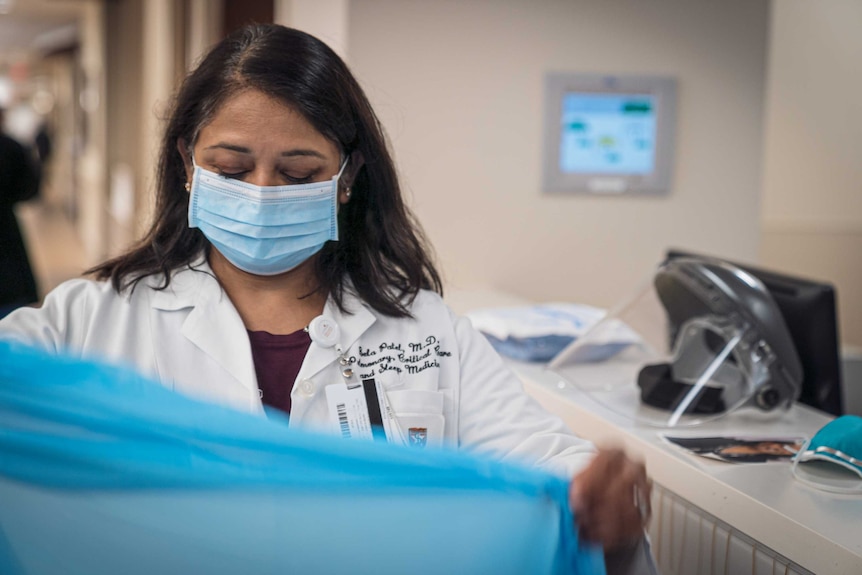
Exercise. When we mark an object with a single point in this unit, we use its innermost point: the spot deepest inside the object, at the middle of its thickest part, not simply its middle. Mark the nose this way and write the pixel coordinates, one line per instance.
(264, 176)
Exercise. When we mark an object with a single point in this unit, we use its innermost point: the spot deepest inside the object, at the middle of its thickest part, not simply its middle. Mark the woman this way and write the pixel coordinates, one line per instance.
(283, 269)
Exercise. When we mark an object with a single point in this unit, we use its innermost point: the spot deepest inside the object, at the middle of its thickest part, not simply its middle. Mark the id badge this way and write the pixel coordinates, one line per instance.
(359, 411)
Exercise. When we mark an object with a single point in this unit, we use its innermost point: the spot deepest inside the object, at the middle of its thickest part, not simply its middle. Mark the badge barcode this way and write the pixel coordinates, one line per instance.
(342, 420)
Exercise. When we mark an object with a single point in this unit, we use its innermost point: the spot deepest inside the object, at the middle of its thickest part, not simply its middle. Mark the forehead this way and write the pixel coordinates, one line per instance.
(256, 116)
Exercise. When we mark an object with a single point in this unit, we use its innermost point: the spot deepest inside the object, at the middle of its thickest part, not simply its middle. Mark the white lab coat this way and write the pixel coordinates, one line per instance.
(438, 372)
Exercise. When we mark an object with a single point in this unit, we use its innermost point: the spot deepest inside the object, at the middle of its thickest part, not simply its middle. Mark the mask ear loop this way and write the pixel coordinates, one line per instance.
(188, 185)
(821, 485)
(796, 458)
(337, 176)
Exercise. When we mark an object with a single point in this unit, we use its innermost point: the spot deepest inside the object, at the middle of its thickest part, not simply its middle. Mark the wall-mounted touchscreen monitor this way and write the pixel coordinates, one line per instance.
(608, 134)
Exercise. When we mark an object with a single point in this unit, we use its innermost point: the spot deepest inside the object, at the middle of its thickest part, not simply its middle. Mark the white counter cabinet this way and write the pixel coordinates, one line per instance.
(729, 518)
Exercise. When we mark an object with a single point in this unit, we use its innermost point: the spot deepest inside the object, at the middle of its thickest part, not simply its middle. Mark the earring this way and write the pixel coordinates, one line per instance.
(347, 193)
(188, 186)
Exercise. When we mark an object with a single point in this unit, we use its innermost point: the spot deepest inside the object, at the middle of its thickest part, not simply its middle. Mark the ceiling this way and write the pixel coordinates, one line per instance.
(36, 24)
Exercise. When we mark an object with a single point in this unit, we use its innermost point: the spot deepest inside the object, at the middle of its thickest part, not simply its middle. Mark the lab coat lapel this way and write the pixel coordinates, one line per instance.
(216, 328)
(212, 324)
(351, 325)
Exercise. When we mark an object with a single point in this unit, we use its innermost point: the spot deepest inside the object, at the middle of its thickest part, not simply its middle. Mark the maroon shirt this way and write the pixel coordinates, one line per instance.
(277, 359)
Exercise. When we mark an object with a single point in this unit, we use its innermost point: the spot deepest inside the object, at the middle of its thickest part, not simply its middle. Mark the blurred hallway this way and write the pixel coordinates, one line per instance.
(55, 248)
(772, 180)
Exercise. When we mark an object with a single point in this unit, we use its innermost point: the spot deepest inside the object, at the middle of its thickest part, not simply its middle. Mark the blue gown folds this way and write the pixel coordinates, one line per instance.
(103, 471)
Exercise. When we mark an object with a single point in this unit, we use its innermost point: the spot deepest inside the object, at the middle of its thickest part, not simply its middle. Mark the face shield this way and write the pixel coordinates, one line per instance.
(700, 340)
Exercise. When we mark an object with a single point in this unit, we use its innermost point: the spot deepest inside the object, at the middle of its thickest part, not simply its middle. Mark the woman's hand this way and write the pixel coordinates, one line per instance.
(611, 499)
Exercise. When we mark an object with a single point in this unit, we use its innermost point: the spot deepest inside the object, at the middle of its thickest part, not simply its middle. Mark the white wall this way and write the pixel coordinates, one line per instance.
(458, 85)
(813, 161)
(812, 187)
(324, 19)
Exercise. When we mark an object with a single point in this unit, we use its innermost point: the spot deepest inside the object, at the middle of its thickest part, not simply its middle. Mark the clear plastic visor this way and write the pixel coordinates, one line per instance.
(699, 373)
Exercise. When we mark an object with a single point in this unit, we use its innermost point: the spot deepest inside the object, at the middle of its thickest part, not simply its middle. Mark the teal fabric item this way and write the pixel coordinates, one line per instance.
(104, 471)
(839, 441)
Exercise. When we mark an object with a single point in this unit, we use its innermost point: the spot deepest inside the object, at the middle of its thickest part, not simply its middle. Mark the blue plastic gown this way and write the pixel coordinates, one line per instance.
(105, 472)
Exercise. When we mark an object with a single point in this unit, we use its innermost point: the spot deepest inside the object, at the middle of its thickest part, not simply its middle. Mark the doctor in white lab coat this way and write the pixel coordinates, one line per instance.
(437, 373)
(279, 219)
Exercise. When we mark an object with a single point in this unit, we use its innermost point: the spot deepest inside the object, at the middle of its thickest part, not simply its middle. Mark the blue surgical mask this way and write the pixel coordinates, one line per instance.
(264, 230)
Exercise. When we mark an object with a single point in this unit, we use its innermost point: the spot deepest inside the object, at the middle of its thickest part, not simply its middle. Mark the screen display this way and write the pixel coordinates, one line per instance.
(608, 133)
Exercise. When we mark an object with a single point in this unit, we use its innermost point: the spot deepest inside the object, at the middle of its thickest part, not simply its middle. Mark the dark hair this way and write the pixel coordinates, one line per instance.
(381, 249)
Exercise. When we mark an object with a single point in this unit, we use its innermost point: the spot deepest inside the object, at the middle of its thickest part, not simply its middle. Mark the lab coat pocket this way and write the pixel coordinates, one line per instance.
(419, 416)
(389, 380)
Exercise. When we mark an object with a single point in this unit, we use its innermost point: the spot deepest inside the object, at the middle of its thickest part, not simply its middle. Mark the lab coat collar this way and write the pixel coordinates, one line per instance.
(352, 323)
(213, 324)
(216, 328)
(188, 287)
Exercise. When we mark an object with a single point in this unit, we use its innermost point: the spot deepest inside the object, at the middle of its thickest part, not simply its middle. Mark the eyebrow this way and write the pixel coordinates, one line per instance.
(244, 150)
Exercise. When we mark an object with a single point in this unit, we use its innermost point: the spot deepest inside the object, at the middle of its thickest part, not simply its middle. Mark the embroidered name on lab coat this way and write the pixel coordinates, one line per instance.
(410, 358)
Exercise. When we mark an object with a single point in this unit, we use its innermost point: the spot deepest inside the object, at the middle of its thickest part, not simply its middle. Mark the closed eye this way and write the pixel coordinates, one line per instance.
(299, 179)
(232, 175)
